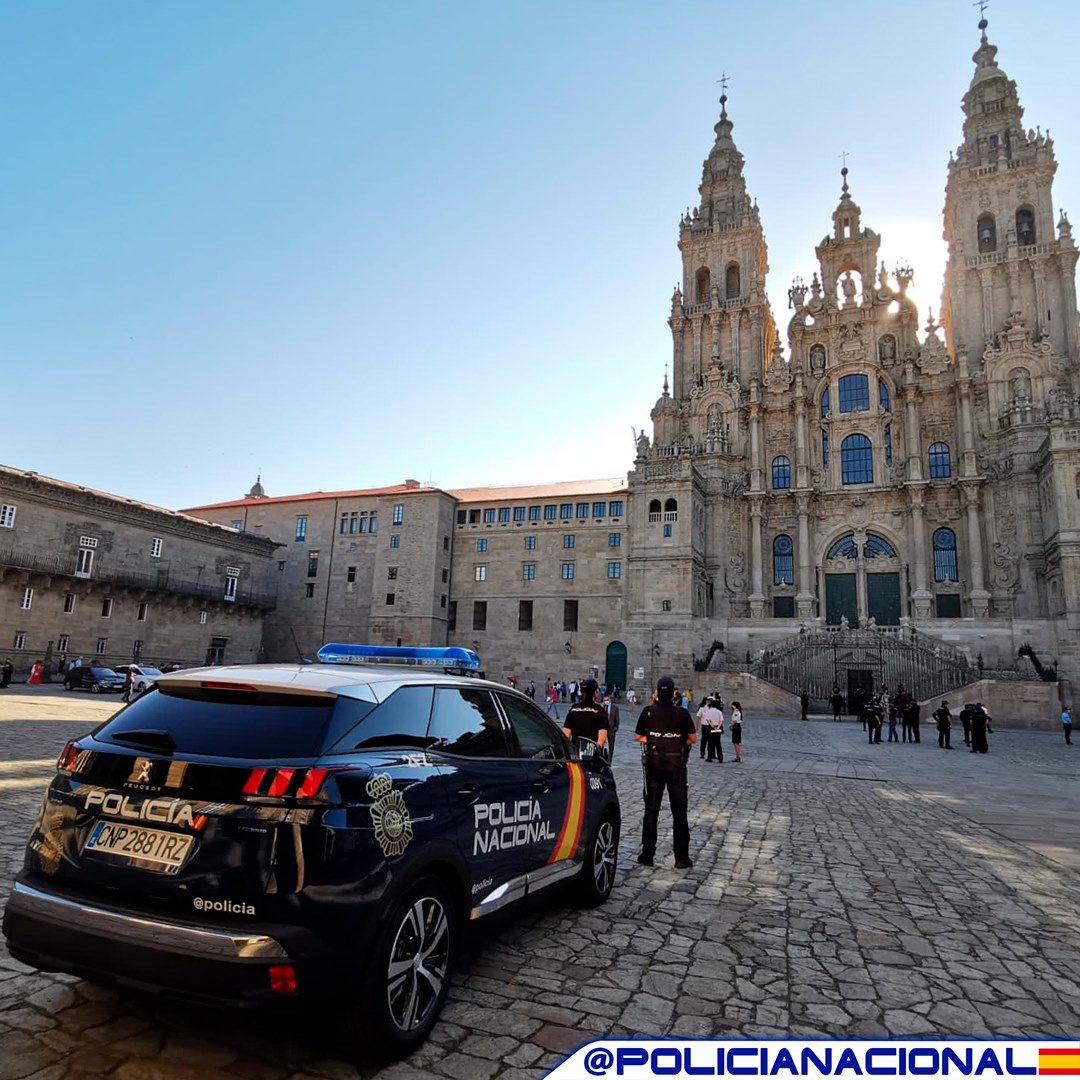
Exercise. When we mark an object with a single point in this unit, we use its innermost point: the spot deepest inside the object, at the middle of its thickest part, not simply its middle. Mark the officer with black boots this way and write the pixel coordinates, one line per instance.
(587, 719)
(666, 732)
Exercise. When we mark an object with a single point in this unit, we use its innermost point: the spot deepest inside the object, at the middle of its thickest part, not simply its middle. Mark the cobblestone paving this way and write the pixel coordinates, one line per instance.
(838, 889)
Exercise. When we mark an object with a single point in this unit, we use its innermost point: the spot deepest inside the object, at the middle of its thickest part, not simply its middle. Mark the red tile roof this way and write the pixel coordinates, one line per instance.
(310, 496)
(563, 489)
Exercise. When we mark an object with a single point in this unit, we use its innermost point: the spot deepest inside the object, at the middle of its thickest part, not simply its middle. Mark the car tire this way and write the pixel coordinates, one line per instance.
(94, 688)
(401, 997)
(69, 686)
(597, 875)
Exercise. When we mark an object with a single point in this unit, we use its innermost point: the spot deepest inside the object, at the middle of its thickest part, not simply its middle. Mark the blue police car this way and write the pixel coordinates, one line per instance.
(326, 830)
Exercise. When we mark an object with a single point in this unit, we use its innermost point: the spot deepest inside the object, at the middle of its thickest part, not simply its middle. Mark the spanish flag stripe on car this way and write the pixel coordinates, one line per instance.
(570, 833)
(1059, 1061)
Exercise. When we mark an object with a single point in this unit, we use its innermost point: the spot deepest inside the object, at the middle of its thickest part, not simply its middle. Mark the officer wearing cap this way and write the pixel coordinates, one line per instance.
(587, 719)
(666, 732)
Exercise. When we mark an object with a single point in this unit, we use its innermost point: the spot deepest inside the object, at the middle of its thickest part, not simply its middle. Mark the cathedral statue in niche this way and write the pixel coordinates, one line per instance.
(817, 357)
(849, 287)
(1021, 386)
(887, 348)
(715, 420)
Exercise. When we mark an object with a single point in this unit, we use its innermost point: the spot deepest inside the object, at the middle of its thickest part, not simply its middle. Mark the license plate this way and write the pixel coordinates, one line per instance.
(148, 849)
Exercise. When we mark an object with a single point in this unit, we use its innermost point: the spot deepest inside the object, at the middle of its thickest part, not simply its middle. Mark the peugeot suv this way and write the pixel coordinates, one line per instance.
(267, 832)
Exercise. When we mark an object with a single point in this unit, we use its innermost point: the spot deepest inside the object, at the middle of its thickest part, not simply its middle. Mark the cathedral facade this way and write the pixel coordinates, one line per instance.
(882, 473)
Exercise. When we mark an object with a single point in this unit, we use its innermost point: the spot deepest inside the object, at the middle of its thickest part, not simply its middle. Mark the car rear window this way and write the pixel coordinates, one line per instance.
(233, 723)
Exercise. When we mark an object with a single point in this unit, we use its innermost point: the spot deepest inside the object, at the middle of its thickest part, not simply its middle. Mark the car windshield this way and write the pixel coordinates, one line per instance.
(101, 672)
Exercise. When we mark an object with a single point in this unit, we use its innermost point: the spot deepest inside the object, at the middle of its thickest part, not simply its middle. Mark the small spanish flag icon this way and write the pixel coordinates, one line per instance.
(1059, 1061)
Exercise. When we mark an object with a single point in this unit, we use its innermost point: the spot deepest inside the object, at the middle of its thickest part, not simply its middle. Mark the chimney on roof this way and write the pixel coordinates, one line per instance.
(412, 484)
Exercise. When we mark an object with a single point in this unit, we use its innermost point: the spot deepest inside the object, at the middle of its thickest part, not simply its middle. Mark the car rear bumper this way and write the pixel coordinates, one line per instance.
(212, 963)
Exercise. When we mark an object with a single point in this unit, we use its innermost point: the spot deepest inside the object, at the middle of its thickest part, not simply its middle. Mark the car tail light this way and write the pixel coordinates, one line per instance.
(276, 783)
(283, 979)
(66, 761)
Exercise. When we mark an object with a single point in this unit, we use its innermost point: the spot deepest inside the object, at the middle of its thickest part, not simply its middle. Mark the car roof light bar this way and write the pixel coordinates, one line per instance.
(449, 659)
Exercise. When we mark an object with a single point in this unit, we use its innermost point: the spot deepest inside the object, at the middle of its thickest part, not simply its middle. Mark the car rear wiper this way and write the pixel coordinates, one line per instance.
(155, 737)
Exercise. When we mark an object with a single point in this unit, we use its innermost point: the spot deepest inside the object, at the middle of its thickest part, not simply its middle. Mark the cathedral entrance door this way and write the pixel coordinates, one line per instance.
(615, 666)
(841, 598)
(883, 598)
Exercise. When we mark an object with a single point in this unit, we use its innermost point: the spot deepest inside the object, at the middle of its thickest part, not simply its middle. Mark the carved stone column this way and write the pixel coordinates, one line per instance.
(980, 598)
(1038, 270)
(802, 447)
(986, 280)
(968, 463)
(804, 599)
(921, 597)
(757, 471)
(698, 323)
(757, 596)
(911, 425)
(736, 318)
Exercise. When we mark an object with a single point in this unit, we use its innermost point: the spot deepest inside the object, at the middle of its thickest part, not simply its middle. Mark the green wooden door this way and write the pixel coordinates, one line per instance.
(615, 666)
(841, 598)
(883, 598)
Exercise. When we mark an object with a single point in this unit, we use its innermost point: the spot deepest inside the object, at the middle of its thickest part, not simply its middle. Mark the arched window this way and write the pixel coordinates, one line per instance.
(844, 549)
(704, 285)
(945, 555)
(987, 234)
(825, 403)
(940, 461)
(876, 545)
(886, 348)
(671, 507)
(783, 561)
(732, 287)
(883, 395)
(854, 393)
(1025, 227)
(817, 357)
(654, 509)
(781, 473)
(856, 460)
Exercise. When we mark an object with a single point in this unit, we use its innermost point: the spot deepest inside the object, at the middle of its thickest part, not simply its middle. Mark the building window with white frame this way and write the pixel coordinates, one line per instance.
(155, 548)
(528, 571)
(614, 539)
(614, 570)
(136, 649)
(481, 544)
(84, 564)
(480, 573)
(7, 516)
(106, 607)
(20, 641)
(102, 646)
(301, 527)
(399, 514)
(63, 642)
(69, 603)
(395, 541)
(143, 609)
(202, 618)
(232, 576)
(568, 571)
(27, 601)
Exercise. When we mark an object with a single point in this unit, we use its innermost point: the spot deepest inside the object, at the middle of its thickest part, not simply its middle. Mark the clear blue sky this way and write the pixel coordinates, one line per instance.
(349, 243)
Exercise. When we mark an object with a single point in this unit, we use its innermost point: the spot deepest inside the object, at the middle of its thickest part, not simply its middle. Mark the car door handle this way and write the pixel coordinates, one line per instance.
(540, 785)
(468, 794)
(548, 770)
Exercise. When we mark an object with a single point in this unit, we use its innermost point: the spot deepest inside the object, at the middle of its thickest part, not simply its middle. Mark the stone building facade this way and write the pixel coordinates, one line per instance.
(84, 573)
(882, 473)
(369, 565)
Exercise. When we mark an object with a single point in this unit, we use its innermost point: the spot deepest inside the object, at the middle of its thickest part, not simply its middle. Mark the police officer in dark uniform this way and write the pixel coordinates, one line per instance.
(666, 732)
(587, 719)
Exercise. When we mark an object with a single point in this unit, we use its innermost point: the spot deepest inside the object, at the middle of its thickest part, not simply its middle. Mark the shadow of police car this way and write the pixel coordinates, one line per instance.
(324, 831)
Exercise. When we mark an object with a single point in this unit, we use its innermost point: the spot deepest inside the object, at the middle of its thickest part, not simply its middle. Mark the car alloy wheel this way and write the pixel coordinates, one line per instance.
(603, 857)
(94, 688)
(419, 964)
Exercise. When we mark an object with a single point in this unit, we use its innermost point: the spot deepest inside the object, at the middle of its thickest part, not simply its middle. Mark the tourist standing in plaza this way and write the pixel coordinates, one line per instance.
(714, 723)
(804, 703)
(965, 720)
(703, 726)
(736, 730)
(944, 726)
(666, 733)
(5, 674)
(1066, 723)
(837, 703)
(612, 710)
(980, 725)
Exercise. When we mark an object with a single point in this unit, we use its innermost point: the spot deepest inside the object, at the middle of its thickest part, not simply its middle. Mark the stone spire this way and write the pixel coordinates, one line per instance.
(257, 490)
(724, 200)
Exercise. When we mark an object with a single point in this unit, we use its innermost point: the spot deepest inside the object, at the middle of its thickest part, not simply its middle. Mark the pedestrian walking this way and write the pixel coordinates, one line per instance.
(736, 730)
(893, 737)
(837, 703)
(1066, 723)
(553, 702)
(804, 703)
(530, 691)
(612, 710)
(666, 733)
(944, 726)
(35, 674)
(714, 719)
(965, 720)
(586, 719)
(129, 683)
(703, 727)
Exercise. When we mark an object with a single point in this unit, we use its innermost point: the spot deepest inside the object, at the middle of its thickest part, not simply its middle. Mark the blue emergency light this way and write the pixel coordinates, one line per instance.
(449, 659)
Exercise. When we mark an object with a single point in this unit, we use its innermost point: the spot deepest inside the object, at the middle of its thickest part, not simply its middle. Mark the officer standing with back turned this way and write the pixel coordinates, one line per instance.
(666, 732)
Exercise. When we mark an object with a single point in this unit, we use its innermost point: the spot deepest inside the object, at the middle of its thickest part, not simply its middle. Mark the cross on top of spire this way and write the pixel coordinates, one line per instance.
(982, 5)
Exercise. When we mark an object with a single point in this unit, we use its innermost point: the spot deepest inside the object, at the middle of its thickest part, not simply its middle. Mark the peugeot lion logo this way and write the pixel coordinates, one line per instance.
(140, 771)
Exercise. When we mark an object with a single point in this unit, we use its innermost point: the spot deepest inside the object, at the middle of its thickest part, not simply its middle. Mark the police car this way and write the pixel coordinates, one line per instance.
(325, 830)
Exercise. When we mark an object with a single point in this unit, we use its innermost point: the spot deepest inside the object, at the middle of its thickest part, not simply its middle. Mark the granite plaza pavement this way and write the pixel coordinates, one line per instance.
(838, 889)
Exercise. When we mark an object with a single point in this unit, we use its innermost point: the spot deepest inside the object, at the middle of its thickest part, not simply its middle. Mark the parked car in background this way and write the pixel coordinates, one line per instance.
(94, 679)
(145, 677)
